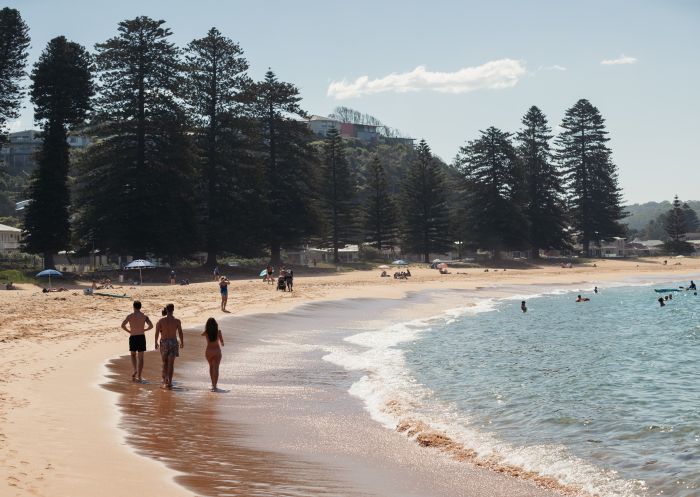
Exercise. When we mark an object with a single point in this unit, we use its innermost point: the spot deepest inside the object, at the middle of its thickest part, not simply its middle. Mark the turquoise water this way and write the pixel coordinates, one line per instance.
(603, 394)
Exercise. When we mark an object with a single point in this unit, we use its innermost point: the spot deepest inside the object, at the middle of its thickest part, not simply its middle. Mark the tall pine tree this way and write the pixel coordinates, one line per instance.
(595, 199)
(381, 223)
(424, 204)
(136, 193)
(291, 214)
(495, 192)
(545, 208)
(337, 192)
(14, 41)
(216, 93)
(676, 228)
(61, 91)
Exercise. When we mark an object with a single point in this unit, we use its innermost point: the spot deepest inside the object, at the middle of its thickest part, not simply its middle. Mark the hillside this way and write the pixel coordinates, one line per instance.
(642, 214)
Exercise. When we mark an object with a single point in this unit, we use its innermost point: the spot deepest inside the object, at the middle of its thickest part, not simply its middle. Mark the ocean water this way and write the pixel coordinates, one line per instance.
(602, 395)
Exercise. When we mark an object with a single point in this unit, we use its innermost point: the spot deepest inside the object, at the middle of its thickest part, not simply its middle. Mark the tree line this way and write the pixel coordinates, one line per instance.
(189, 154)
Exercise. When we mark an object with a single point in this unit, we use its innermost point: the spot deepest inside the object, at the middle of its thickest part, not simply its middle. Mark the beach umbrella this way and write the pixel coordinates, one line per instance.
(263, 273)
(140, 264)
(49, 273)
(383, 266)
(400, 262)
(436, 260)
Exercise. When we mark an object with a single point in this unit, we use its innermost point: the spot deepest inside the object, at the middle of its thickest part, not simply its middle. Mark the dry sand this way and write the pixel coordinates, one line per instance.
(58, 428)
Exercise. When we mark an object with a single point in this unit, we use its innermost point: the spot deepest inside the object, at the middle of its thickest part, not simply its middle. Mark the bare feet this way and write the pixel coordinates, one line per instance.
(133, 376)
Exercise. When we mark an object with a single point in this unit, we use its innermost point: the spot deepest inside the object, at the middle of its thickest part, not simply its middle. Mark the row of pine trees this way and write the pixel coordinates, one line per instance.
(190, 154)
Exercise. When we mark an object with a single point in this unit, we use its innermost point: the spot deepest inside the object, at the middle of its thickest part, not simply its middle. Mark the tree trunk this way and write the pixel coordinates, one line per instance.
(275, 254)
(48, 260)
(586, 248)
(426, 257)
(211, 259)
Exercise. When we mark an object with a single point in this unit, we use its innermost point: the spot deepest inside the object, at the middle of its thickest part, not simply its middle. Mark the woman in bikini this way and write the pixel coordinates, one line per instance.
(223, 288)
(213, 335)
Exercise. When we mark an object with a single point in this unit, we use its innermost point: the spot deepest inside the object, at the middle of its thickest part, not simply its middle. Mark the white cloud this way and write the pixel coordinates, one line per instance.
(496, 74)
(555, 67)
(622, 59)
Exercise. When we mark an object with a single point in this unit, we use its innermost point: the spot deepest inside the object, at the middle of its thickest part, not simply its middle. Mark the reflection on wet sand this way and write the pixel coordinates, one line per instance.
(182, 429)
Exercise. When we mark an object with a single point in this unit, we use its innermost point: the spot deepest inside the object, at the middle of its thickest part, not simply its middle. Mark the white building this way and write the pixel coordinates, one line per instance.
(320, 125)
(9, 238)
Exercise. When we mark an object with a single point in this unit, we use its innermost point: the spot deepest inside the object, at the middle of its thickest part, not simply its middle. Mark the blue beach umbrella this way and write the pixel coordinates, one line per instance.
(263, 273)
(400, 262)
(49, 273)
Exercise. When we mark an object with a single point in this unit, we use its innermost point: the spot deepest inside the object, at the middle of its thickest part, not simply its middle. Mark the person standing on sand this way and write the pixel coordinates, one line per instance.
(223, 289)
(139, 324)
(213, 351)
(168, 328)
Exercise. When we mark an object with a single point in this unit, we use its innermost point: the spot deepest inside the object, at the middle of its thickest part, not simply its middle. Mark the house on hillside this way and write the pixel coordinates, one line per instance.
(19, 152)
(9, 238)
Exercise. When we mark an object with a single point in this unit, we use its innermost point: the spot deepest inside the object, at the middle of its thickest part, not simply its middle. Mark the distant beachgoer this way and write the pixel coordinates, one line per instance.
(139, 324)
(408, 273)
(595, 290)
(270, 270)
(289, 279)
(223, 289)
(661, 302)
(523, 306)
(692, 285)
(666, 298)
(582, 299)
(216, 273)
(670, 296)
(172, 277)
(315, 262)
(213, 350)
(665, 262)
(167, 331)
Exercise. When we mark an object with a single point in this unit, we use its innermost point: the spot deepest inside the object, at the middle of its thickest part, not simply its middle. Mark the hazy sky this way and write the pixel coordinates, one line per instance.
(443, 70)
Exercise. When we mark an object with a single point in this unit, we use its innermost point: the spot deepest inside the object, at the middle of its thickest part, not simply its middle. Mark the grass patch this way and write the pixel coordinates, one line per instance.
(15, 276)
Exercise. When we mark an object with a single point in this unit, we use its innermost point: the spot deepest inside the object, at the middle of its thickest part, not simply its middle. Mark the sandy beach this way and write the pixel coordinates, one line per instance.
(60, 429)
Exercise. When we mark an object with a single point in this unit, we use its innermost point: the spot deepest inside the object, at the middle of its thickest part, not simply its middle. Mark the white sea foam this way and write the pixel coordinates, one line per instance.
(391, 393)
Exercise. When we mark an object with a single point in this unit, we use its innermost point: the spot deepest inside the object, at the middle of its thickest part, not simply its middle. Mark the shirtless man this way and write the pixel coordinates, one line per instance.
(168, 328)
(139, 324)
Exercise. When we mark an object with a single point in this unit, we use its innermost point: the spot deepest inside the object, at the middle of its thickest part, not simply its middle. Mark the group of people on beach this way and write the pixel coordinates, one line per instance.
(168, 331)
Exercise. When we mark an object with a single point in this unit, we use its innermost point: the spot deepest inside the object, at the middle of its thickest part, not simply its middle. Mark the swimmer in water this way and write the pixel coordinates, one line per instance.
(523, 306)
(595, 290)
(661, 302)
(582, 299)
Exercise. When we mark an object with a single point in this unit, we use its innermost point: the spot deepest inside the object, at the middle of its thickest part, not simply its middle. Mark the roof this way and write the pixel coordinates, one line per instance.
(321, 118)
(4, 227)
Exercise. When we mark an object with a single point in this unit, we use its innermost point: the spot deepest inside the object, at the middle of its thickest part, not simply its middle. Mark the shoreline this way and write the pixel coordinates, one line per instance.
(55, 354)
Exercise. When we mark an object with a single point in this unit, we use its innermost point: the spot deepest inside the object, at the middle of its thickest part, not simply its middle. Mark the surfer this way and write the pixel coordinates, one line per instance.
(139, 324)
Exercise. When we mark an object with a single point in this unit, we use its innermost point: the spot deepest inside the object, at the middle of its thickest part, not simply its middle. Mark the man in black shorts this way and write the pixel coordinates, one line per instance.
(139, 324)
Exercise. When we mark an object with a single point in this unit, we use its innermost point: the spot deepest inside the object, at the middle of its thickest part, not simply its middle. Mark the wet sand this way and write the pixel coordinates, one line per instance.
(284, 423)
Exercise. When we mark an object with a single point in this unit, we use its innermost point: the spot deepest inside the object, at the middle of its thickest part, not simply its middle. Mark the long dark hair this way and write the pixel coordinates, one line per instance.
(212, 329)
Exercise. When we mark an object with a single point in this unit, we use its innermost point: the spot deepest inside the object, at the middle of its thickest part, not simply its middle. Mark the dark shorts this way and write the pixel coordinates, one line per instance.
(137, 343)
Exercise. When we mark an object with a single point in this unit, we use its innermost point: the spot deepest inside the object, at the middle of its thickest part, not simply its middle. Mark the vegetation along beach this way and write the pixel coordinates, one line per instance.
(220, 278)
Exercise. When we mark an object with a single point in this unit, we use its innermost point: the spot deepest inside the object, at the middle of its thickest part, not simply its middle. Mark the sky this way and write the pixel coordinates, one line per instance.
(444, 70)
